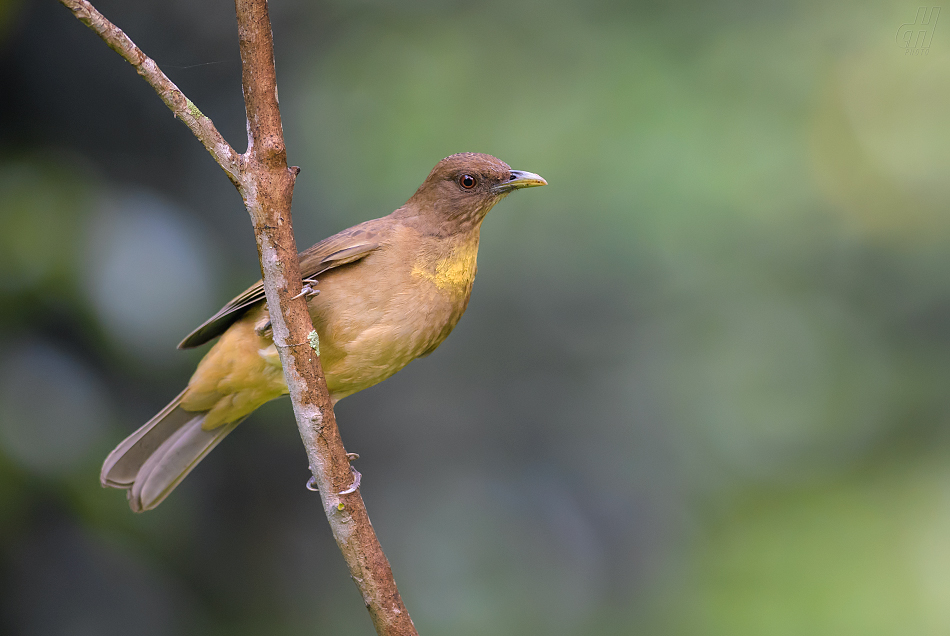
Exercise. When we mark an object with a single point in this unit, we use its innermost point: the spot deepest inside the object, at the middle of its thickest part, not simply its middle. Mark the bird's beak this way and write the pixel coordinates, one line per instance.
(521, 179)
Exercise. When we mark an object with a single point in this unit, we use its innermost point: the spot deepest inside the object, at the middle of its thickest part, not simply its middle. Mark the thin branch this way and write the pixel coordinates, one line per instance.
(266, 184)
(265, 133)
(268, 197)
(181, 106)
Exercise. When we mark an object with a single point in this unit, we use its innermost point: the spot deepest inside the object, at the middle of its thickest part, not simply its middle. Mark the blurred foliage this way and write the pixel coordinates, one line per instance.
(701, 385)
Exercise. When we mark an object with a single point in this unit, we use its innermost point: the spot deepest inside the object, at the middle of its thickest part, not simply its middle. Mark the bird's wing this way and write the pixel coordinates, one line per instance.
(340, 249)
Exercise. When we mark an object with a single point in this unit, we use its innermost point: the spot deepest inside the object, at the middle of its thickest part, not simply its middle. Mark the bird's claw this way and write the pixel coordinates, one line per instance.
(308, 291)
(308, 288)
(356, 481)
(357, 477)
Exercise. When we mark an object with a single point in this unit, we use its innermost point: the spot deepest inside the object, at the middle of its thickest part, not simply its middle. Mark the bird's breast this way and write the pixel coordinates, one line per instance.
(397, 304)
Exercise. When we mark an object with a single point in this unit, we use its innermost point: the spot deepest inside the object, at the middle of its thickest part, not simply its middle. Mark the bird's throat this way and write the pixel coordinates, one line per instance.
(453, 271)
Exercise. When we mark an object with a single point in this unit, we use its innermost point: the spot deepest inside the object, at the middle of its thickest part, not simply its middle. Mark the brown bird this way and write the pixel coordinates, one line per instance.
(390, 291)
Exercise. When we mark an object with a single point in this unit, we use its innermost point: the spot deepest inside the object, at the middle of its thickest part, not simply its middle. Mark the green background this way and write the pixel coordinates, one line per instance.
(701, 387)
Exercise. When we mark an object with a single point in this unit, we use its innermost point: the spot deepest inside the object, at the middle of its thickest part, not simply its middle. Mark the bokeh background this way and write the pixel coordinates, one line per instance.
(701, 387)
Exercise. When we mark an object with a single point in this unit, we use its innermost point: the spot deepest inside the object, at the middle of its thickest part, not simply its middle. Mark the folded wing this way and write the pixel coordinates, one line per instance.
(340, 249)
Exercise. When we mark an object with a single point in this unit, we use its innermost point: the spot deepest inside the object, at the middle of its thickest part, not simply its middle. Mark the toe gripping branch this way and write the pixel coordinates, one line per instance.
(309, 288)
(357, 477)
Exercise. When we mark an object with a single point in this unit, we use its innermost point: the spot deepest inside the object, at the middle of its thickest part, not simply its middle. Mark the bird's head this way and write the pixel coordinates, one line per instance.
(462, 188)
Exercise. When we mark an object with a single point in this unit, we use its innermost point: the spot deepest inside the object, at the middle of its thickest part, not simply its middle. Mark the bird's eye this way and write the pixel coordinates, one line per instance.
(467, 181)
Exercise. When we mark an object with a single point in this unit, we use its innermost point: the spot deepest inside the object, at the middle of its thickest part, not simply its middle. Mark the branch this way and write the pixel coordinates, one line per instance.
(293, 330)
(266, 185)
(183, 108)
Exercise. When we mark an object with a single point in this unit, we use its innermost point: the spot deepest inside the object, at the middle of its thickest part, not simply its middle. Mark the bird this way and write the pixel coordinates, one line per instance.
(389, 291)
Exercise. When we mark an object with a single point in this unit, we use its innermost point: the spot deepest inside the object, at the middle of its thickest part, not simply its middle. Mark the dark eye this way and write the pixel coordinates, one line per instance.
(467, 181)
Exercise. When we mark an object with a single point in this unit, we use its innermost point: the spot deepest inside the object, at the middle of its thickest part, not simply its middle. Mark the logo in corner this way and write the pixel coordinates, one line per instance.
(915, 37)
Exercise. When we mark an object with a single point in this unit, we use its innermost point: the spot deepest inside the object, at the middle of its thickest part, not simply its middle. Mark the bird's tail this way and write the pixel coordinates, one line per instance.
(150, 462)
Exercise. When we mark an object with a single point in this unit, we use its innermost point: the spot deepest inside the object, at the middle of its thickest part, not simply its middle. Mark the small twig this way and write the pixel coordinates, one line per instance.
(184, 108)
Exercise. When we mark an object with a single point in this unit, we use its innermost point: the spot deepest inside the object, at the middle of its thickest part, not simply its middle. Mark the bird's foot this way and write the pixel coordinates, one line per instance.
(309, 288)
(307, 291)
(356, 480)
(357, 477)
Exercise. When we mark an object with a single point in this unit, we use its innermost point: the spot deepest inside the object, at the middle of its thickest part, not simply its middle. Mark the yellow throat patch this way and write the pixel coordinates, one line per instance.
(456, 271)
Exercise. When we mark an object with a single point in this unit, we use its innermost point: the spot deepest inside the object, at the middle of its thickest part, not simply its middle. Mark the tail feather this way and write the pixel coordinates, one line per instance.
(123, 463)
(172, 462)
(154, 459)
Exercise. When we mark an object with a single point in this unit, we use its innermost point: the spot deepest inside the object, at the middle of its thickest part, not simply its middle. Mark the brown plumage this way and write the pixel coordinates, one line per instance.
(391, 290)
